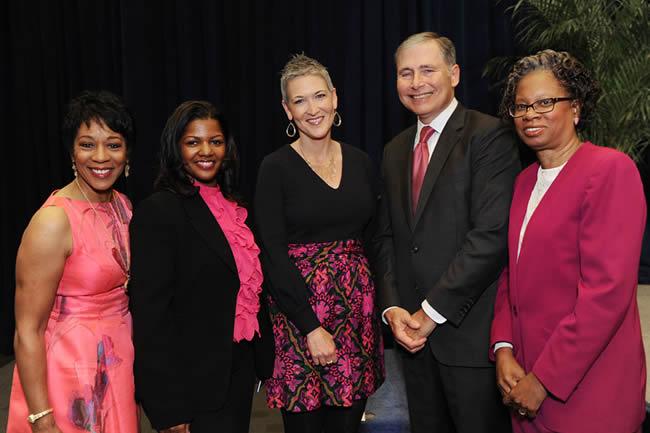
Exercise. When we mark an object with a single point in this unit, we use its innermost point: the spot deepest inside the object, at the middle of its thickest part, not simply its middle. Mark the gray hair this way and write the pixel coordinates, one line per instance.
(300, 65)
(447, 47)
(567, 70)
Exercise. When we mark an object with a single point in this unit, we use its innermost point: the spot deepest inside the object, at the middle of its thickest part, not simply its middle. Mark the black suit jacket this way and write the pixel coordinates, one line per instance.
(183, 291)
(454, 247)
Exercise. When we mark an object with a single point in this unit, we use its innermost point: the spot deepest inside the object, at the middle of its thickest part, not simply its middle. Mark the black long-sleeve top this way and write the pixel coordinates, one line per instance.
(294, 205)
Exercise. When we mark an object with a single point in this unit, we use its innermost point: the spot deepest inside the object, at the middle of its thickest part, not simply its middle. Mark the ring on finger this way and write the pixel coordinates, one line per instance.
(522, 411)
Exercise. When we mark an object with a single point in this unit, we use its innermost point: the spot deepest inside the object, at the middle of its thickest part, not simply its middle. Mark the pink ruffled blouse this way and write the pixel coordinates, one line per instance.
(232, 220)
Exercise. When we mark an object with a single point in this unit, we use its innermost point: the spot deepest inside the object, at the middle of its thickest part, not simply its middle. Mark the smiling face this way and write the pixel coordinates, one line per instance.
(425, 83)
(548, 130)
(203, 148)
(311, 105)
(99, 154)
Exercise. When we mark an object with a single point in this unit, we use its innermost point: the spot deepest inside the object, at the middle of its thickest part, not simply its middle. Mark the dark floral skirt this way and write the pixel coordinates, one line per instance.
(343, 298)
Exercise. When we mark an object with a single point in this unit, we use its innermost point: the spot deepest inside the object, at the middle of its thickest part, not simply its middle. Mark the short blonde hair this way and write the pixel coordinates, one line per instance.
(447, 47)
(300, 65)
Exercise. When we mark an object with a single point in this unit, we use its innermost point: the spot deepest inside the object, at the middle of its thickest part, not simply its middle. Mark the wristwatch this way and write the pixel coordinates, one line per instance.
(32, 418)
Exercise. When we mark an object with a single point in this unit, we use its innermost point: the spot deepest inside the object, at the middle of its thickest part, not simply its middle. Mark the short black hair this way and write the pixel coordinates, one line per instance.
(567, 70)
(172, 175)
(99, 106)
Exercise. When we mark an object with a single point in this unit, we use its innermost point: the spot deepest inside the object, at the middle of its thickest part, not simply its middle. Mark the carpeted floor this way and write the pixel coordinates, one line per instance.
(387, 411)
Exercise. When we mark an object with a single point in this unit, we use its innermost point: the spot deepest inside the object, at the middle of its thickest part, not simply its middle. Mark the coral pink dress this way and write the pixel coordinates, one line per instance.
(88, 337)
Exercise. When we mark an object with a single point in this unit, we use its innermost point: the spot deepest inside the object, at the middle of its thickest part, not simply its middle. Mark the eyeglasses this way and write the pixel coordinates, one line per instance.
(541, 106)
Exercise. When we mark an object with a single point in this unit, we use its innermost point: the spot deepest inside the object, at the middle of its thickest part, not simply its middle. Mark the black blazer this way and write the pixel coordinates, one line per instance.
(183, 291)
(454, 247)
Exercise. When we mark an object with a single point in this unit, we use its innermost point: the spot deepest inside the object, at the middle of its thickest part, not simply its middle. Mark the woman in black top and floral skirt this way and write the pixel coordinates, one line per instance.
(314, 202)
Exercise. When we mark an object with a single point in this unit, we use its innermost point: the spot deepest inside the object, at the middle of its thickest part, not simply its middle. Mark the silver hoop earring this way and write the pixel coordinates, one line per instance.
(74, 169)
(291, 129)
(126, 170)
(337, 119)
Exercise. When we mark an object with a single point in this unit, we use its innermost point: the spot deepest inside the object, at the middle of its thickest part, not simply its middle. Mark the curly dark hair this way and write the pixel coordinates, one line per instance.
(571, 74)
(99, 106)
(172, 175)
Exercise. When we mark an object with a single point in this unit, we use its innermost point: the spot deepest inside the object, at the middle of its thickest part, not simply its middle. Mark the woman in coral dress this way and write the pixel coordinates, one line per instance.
(74, 355)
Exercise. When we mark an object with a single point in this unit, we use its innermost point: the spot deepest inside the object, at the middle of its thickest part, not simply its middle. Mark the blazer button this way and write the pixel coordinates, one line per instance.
(415, 249)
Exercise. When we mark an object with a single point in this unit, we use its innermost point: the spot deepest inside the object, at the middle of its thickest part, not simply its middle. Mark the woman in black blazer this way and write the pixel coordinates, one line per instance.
(196, 281)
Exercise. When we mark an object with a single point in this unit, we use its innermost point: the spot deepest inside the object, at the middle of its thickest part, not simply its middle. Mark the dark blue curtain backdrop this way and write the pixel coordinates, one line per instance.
(157, 54)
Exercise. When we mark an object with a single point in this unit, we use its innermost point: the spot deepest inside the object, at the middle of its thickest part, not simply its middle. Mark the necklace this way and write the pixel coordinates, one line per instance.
(120, 254)
(330, 172)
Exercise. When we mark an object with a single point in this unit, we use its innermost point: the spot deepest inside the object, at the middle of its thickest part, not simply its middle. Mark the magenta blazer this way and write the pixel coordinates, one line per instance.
(568, 305)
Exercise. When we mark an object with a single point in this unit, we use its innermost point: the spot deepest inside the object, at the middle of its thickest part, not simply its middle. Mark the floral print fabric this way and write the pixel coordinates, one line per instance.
(342, 294)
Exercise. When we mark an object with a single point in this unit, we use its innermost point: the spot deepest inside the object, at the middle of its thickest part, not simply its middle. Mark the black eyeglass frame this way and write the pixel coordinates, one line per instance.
(554, 100)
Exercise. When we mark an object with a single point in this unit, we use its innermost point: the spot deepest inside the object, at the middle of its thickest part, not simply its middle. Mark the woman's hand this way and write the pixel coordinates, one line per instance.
(528, 396)
(509, 372)
(321, 346)
(181, 428)
(46, 425)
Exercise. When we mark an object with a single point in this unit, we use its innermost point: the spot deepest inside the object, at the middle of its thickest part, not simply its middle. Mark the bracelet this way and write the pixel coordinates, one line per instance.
(32, 418)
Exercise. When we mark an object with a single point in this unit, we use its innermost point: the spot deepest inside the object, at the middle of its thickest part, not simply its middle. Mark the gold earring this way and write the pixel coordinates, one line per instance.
(126, 170)
(74, 169)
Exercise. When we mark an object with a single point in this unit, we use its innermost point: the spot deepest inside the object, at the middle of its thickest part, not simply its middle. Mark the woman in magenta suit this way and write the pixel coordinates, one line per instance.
(566, 334)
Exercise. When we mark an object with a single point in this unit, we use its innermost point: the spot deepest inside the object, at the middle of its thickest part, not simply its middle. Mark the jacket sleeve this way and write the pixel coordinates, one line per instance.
(159, 359)
(287, 286)
(495, 164)
(612, 220)
(383, 252)
(502, 323)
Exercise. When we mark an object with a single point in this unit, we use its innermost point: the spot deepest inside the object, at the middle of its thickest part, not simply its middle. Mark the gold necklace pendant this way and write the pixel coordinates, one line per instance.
(329, 172)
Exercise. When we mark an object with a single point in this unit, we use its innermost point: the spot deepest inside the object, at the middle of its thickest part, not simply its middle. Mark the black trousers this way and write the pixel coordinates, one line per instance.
(449, 399)
(327, 419)
(234, 416)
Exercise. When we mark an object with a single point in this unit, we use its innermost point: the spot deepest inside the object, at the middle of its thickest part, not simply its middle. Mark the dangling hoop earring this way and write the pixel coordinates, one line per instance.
(337, 119)
(291, 129)
(126, 170)
(74, 169)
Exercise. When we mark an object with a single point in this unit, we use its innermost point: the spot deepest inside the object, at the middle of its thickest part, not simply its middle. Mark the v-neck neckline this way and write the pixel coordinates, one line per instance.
(311, 170)
(550, 192)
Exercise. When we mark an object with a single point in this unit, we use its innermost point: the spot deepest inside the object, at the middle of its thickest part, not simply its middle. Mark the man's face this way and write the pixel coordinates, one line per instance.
(425, 83)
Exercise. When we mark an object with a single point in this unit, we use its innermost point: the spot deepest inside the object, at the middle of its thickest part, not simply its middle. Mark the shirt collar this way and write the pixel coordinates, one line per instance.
(439, 122)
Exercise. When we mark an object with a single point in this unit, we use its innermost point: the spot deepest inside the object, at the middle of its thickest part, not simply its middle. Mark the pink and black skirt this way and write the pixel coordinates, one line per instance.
(342, 294)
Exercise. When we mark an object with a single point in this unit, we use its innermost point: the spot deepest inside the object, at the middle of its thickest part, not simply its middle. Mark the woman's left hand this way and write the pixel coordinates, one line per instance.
(528, 395)
(321, 346)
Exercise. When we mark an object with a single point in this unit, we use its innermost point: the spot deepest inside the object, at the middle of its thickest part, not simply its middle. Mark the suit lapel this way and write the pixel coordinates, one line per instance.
(527, 186)
(451, 134)
(518, 211)
(208, 227)
(405, 156)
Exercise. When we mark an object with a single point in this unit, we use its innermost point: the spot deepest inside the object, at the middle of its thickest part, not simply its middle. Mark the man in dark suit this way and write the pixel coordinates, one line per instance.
(442, 242)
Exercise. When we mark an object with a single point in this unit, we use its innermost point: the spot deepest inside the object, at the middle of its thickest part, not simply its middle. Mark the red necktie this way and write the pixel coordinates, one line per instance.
(420, 162)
